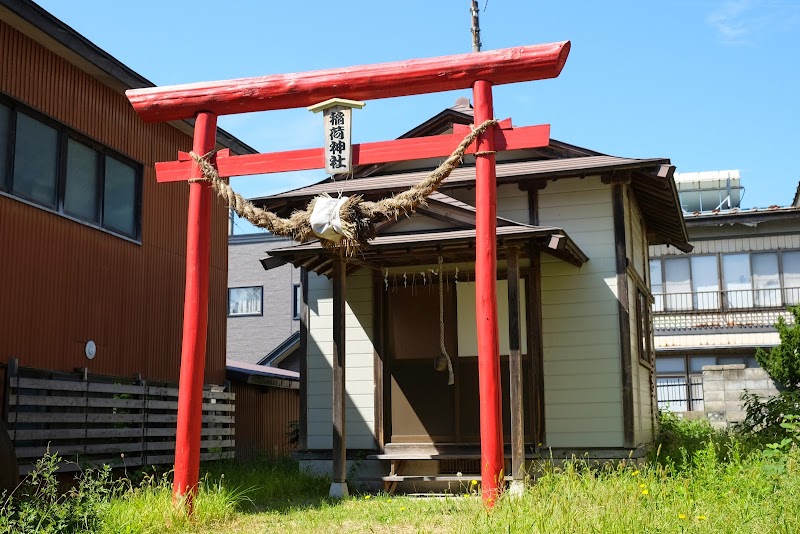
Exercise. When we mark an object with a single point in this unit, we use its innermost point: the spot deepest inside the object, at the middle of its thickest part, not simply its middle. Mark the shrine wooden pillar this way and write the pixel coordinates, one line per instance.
(195, 318)
(491, 415)
(339, 474)
(516, 394)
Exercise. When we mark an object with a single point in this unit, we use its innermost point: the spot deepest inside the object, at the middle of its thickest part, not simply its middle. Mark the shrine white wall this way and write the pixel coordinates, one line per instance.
(580, 325)
(512, 202)
(359, 373)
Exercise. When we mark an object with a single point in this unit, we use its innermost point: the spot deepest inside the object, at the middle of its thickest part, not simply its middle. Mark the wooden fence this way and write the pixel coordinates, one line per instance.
(94, 420)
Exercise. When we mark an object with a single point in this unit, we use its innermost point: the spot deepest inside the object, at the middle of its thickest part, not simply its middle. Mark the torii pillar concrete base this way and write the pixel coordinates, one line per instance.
(516, 489)
(338, 490)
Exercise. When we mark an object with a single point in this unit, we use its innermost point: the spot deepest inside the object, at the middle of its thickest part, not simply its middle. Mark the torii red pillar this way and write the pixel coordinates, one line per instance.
(195, 317)
(207, 100)
(486, 299)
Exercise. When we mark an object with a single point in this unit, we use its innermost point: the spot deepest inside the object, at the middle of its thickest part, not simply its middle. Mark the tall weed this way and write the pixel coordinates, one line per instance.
(40, 505)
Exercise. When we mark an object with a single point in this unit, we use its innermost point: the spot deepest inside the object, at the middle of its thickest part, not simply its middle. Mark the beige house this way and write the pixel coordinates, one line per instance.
(580, 222)
(716, 305)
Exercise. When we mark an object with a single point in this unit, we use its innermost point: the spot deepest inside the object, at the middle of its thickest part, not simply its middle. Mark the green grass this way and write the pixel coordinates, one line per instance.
(715, 485)
(227, 490)
(707, 491)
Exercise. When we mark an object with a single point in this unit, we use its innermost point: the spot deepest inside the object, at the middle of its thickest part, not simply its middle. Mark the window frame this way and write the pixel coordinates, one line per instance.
(260, 306)
(64, 134)
(297, 297)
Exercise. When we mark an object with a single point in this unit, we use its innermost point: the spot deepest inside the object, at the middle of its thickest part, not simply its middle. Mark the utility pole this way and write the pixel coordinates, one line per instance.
(476, 27)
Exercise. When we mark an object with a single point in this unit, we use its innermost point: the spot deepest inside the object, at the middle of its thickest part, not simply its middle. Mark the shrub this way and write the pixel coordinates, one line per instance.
(764, 416)
(782, 362)
(39, 505)
(677, 434)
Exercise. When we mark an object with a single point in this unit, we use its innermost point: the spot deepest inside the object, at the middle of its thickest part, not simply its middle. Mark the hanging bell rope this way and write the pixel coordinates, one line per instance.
(357, 217)
(450, 376)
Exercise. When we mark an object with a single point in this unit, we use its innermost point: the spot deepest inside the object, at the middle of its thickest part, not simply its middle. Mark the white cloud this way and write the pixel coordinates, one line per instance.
(746, 21)
(727, 20)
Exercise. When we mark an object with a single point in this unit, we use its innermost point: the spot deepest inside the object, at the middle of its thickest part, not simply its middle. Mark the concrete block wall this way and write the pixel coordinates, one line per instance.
(723, 386)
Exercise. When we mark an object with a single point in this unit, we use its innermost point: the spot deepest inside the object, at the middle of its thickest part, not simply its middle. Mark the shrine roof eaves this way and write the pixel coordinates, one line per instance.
(408, 248)
(656, 194)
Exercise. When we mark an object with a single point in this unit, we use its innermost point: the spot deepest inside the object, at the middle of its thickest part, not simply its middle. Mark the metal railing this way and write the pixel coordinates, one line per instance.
(678, 394)
(723, 309)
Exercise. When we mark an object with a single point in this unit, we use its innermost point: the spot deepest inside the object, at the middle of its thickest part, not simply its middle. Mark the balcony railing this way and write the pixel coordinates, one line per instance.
(723, 309)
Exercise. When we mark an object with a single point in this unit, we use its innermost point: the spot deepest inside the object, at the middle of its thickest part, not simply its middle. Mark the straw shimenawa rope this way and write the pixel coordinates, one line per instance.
(358, 216)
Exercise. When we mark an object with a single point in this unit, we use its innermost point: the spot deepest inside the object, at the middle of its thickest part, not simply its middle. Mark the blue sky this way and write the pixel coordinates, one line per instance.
(710, 84)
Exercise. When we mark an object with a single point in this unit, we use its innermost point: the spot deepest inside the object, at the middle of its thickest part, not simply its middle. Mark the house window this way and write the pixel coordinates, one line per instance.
(119, 196)
(677, 388)
(766, 280)
(83, 182)
(726, 281)
(244, 301)
(643, 327)
(656, 285)
(297, 298)
(751, 280)
(679, 378)
(705, 283)
(35, 175)
(678, 284)
(48, 164)
(736, 280)
(791, 277)
(5, 135)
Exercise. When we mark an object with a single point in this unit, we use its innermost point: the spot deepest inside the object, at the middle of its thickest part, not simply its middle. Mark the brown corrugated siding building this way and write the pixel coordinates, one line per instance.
(98, 256)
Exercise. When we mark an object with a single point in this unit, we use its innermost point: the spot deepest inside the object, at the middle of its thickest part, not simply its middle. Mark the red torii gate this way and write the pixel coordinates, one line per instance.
(206, 101)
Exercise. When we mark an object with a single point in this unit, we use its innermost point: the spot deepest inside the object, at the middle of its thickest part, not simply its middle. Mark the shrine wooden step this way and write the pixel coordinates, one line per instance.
(420, 456)
(466, 479)
(428, 451)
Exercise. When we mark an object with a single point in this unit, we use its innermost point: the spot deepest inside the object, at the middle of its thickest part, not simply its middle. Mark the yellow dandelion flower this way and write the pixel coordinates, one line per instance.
(402, 508)
(701, 517)
(367, 497)
(473, 483)
(681, 516)
(645, 492)
(642, 485)
(635, 473)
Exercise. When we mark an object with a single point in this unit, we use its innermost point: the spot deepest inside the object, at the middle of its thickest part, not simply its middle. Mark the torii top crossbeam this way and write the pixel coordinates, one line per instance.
(366, 82)
(206, 101)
